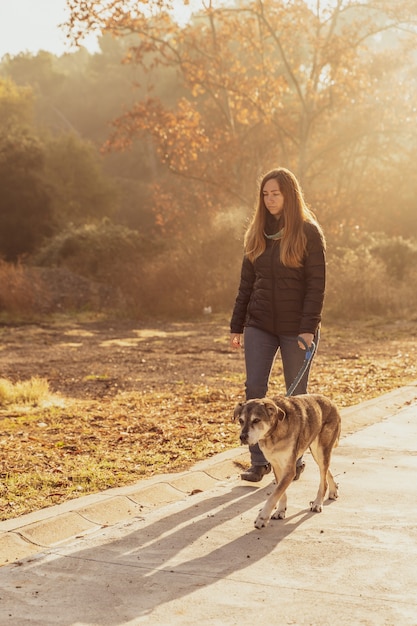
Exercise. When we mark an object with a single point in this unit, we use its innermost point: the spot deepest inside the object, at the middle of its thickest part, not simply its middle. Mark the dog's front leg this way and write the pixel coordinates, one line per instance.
(281, 511)
(282, 502)
(278, 495)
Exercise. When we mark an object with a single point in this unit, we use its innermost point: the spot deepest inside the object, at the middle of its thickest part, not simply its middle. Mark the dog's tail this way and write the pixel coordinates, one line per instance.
(339, 431)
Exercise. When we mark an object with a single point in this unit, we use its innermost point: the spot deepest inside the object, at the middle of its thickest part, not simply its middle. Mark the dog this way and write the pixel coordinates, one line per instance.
(284, 427)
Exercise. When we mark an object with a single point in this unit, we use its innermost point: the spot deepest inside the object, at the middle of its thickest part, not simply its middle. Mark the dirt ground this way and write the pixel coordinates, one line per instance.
(131, 399)
(100, 359)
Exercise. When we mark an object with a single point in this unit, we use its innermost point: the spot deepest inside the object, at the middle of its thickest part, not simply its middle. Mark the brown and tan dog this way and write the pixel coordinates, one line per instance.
(284, 427)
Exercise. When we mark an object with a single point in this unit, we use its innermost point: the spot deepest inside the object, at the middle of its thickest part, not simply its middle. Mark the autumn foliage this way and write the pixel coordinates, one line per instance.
(325, 89)
(201, 106)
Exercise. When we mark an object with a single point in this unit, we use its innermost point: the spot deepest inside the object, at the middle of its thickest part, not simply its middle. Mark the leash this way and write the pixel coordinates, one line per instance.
(310, 350)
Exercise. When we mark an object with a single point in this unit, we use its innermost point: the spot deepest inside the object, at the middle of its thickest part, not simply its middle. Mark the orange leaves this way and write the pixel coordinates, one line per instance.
(181, 136)
(178, 134)
(246, 85)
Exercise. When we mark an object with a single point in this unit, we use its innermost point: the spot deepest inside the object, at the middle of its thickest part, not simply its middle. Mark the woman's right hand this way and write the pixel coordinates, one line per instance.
(235, 341)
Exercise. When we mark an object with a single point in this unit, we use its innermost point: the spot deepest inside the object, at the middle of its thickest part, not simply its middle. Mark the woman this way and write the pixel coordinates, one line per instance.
(281, 293)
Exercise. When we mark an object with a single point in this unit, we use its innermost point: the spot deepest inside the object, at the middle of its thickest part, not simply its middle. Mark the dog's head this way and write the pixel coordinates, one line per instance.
(257, 418)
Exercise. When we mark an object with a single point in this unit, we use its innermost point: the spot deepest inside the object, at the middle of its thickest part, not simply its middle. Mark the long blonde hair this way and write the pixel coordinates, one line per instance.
(295, 213)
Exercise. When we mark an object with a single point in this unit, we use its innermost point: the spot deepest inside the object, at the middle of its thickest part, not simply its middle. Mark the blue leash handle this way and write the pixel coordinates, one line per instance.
(310, 350)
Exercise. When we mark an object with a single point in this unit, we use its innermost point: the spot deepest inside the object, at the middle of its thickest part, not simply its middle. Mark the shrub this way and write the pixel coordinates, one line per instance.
(113, 269)
(202, 271)
(22, 291)
(94, 251)
(364, 279)
(398, 255)
(175, 278)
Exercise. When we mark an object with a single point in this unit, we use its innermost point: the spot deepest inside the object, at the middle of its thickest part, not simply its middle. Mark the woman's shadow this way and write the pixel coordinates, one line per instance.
(165, 558)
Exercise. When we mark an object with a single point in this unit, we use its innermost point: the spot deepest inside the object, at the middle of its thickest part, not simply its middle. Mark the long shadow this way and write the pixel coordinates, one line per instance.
(125, 578)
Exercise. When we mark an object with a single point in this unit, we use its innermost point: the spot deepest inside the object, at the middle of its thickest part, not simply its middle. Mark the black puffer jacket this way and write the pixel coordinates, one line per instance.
(282, 300)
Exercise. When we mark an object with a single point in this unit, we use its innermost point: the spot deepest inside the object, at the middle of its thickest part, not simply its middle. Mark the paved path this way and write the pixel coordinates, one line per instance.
(182, 549)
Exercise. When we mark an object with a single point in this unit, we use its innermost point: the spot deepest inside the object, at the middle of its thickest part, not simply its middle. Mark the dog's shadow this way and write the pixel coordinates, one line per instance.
(157, 562)
(218, 555)
(233, 556)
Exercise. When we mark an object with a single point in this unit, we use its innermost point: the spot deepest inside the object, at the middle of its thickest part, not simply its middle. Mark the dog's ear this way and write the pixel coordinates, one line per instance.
(237, 411)
(281, 413)
(274, 411)
(271, 409)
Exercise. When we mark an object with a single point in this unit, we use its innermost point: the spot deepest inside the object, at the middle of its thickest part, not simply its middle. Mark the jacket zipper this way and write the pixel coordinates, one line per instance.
(275, 248)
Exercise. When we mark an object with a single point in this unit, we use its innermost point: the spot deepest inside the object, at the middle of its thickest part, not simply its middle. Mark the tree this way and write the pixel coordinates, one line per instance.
(16, 104)
(267, 82)
(46, 182)
(25, 207)
(75, 95)
(79, 189)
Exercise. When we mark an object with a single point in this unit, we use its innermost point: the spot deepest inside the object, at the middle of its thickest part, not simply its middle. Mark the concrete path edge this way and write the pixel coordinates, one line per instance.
(27, 535)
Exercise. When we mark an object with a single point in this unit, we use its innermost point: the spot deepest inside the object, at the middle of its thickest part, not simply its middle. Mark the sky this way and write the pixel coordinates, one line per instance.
(33, 25)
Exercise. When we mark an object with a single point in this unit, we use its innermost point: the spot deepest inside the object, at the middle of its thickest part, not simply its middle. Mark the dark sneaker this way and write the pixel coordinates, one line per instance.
(256, 472)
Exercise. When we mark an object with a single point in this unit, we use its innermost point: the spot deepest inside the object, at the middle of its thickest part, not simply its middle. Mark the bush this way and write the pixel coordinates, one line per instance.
(22, 291)
(365, 279)
(110, 268)
(95, 251)
(398, 255)
(201, 272)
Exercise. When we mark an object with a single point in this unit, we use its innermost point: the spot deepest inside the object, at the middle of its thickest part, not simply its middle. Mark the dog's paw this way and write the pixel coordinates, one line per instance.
(279, 514)
(334, 493)
(316, 507)
(261, 522)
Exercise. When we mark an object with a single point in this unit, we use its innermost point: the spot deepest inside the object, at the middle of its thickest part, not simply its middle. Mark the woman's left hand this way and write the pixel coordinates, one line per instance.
(308, 338)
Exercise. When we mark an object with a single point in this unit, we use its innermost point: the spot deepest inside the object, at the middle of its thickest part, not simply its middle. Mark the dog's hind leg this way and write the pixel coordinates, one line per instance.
(322, 457)
(323, 461)
(333, 486)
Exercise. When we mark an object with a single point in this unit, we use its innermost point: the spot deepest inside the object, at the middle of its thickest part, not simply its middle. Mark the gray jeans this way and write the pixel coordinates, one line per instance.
(261, 349)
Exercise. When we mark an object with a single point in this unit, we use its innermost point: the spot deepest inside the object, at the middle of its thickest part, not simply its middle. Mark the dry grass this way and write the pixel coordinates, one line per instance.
(22, 292)
(105, 436)
(32, 392)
